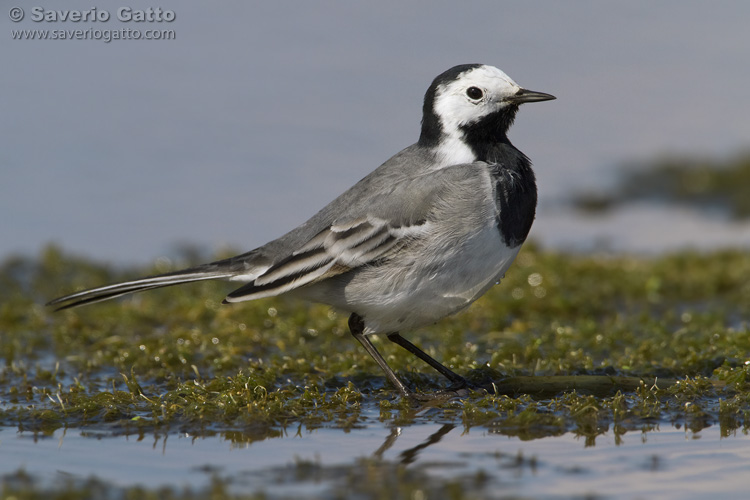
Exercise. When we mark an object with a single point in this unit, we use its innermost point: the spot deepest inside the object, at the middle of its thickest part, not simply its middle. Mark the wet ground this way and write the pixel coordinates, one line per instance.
(611, 377)
(433, 457)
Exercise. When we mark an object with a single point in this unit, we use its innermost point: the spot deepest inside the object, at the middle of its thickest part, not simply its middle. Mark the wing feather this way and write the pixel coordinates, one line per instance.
(335, 250)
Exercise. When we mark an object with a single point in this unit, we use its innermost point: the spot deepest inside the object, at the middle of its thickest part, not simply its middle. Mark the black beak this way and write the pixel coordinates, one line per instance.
(524, 95)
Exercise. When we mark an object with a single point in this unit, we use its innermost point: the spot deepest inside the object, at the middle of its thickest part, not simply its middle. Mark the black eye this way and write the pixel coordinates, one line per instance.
(474, 93)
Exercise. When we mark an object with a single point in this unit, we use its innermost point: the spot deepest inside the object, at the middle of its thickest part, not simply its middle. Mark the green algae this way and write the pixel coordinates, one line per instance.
(567, 343)
(178, 358)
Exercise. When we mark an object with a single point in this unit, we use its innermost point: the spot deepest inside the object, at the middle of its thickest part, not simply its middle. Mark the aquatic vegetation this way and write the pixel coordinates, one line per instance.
(567, 343)
(178, 358)
(714, 184)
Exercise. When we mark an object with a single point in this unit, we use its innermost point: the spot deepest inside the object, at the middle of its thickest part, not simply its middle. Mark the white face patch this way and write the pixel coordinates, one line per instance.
(474, 94)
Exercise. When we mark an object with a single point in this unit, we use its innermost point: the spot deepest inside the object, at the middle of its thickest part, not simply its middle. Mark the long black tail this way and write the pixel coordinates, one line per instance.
(200, 273)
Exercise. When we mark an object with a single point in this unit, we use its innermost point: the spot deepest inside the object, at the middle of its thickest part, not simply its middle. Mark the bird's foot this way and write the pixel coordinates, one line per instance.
(460, 388)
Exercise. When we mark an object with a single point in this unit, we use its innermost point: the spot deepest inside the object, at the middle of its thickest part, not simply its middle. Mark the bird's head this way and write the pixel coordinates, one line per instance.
(470, 96)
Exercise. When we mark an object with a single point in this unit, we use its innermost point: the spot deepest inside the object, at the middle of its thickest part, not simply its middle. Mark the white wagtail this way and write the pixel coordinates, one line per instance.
(418, 239)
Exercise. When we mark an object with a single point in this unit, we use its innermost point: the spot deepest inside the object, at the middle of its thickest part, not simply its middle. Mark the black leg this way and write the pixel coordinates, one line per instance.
(357, 327)
(454, 377)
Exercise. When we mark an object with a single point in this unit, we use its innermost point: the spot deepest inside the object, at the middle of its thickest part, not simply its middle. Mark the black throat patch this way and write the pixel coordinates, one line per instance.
(515, 183)
(484, 136)
(515, 196)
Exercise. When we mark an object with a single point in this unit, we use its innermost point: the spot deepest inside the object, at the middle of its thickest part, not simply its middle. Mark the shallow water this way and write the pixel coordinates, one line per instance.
(251, 120)
(667, 462)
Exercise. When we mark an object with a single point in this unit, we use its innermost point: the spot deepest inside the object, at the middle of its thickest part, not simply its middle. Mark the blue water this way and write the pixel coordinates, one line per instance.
(667, 463)
(257, 114)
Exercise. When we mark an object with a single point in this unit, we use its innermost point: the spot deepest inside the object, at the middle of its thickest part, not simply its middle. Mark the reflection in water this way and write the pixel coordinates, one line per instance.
(389, 441)
(584, 417)
(531, 421)
(409, 456)
(432, 457)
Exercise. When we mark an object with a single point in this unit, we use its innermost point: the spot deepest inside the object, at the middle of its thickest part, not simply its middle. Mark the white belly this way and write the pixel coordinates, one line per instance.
(422, 287)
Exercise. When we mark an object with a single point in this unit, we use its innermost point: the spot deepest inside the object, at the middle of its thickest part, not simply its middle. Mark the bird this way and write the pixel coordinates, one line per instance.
(420, 238)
